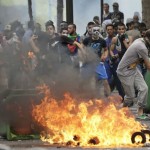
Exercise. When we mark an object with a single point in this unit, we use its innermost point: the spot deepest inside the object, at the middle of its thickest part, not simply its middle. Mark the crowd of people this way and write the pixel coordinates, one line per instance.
(109, 55)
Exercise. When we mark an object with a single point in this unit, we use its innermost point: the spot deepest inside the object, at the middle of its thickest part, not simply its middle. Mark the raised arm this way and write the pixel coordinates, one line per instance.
(33, 45)
(112, 46)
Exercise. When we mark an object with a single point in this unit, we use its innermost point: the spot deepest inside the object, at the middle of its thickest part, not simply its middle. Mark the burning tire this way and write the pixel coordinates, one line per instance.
(136, 135)
(147, 134)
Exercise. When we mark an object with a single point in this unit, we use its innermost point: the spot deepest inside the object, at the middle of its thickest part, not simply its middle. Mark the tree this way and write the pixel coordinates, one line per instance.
(146, 12)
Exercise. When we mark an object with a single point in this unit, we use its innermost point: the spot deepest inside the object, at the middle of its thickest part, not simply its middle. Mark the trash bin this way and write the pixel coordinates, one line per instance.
(17, 114)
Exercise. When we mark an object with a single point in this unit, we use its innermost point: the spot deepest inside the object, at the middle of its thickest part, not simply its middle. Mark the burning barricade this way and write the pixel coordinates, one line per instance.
(88, 123)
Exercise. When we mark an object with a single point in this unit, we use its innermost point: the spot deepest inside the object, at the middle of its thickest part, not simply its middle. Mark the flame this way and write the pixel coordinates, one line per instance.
(86, 123)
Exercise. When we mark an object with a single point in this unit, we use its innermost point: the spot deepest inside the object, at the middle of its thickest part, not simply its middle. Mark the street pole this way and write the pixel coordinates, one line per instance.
(69, 11)
(101, 3)
(30, 10)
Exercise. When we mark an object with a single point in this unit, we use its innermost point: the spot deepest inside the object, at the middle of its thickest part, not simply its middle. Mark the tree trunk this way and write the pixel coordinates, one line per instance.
(59, 13)
(146, 12)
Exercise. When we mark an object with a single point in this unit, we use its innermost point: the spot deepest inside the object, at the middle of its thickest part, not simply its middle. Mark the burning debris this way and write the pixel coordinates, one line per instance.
(88, 123)
(141, 137)
(94, 141)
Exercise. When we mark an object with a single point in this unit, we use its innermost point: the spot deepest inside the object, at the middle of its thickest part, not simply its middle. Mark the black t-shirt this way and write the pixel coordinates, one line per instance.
(42, 42)
(96, 45)
(117, 16)
(107, 17)
(52, 44)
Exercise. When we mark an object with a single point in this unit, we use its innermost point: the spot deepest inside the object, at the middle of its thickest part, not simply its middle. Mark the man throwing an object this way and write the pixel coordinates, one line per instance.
(129, 74)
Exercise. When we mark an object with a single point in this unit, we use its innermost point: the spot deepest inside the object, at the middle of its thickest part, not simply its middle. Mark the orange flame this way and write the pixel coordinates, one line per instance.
(84, 123)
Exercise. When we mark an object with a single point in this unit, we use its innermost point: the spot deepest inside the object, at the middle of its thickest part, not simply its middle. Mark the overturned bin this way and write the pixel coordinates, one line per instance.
(16, 114)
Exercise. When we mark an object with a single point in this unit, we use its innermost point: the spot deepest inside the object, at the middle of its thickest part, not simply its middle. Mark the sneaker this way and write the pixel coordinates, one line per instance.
(143, 117)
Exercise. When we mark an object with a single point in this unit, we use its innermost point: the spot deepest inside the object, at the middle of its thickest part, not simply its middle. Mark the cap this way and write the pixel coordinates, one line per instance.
(115, 4)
